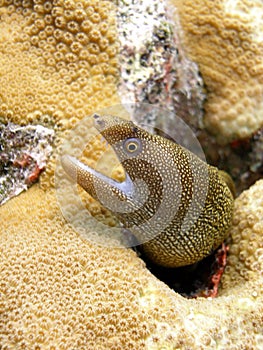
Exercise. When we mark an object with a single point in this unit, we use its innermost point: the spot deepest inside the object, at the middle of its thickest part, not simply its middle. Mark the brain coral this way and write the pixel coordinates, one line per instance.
(58, 291)
(225, 38)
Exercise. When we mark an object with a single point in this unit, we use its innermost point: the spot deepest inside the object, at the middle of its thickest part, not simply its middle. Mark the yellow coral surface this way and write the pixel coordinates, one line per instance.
(225, 38)
(57, 63)
(59, 291)
(58, 58)
(245, 261)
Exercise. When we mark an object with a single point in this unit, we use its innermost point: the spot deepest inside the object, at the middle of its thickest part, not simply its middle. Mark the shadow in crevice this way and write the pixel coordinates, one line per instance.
(189, 281)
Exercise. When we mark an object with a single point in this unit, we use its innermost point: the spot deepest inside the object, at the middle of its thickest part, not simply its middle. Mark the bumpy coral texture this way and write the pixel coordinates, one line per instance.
(59, 291)
(56, 58)
(57, 62)
(245, 261)
(225, 38)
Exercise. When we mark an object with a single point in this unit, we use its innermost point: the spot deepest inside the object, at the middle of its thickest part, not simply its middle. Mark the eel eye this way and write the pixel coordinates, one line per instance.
(132, 146)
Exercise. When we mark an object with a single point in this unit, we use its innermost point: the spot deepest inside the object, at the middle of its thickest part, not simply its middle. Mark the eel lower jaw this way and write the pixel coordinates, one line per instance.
(84, 175)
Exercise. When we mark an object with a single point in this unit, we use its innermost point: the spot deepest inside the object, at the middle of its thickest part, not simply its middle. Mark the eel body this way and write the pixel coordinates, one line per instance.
(178, 207)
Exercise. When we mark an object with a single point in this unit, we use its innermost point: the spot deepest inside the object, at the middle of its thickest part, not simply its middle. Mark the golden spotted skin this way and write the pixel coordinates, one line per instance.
(176, 244)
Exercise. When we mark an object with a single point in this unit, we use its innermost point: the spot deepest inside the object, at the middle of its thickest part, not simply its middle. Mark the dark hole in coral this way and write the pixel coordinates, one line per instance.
(144, 59)
(189, 281)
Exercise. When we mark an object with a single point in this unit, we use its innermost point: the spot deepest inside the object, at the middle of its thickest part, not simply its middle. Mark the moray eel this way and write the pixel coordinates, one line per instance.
(178, 207)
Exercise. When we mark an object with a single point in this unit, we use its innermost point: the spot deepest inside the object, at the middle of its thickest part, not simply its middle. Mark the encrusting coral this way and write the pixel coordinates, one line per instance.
(225, 39)
(57, 58)
(57, 62)
(245, 261)
(62, 292)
